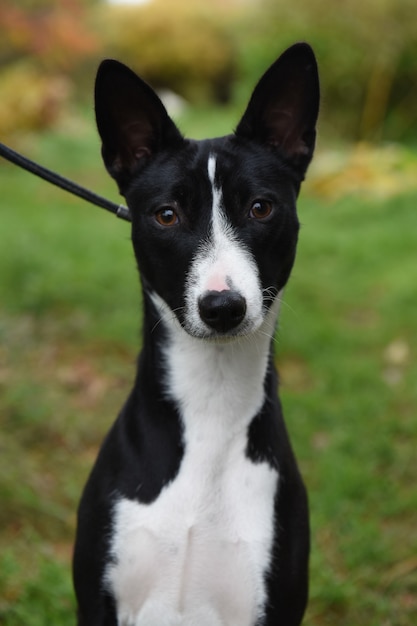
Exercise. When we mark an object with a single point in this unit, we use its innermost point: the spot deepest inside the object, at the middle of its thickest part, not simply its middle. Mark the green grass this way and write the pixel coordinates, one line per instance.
(69, 333)
(347, 346)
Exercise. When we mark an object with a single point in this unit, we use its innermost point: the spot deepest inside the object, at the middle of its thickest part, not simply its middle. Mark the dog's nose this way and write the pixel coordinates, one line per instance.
(222, 310)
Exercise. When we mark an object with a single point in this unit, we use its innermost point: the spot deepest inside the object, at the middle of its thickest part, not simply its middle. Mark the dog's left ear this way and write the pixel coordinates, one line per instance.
(283, 109)
(132, 121)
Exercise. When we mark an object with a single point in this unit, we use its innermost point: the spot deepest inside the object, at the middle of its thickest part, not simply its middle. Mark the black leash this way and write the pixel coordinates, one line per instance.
(64, 183)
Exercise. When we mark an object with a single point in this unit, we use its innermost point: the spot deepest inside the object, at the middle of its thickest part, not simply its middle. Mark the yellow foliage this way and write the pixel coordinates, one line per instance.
(369, 170)
(56, 37)
(172, 45)
(29, 99)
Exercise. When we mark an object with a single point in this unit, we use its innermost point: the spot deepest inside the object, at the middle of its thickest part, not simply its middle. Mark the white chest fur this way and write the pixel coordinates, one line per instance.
(199, 553)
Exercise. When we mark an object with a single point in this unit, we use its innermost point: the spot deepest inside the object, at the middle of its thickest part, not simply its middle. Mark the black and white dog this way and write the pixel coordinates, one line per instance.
(195, 513)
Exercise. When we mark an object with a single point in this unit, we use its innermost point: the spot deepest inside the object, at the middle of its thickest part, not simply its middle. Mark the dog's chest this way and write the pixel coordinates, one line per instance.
(200, 552)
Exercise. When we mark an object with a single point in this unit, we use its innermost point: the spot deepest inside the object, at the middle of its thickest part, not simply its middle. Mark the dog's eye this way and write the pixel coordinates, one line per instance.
(260, 210)
(167, 216)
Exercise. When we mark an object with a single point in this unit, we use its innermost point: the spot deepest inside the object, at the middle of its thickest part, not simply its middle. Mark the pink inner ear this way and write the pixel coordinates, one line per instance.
(137, 137)
(142, 152)
(291, 145)
(285, 131)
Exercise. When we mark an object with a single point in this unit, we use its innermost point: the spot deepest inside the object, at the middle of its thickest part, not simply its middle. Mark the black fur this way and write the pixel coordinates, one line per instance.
(156, 167)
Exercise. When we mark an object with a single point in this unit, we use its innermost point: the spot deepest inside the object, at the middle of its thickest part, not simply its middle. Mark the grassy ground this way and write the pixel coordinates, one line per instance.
(69, 333)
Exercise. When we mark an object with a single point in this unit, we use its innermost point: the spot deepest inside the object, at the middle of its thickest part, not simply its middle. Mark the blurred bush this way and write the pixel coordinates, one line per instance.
(173, 44)
(367, 53)
(29, 99)
(41, 44)
(216, 51)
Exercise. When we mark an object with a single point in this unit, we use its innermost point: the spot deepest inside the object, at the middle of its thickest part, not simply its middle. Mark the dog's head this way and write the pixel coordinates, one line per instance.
(214, 223)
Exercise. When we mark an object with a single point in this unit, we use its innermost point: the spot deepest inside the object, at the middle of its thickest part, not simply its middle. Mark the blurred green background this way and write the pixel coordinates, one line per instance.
(70, 302)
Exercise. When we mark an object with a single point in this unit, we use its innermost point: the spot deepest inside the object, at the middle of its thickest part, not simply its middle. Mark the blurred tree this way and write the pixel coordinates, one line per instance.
(41, 43)
(367, 53)
(53, 34)
(176, 44)
(368, 59)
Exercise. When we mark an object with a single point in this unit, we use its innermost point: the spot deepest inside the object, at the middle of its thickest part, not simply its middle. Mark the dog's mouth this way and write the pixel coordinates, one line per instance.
(214, 336)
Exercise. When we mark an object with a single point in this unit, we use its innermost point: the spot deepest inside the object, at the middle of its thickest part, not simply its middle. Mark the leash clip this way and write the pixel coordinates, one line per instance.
(124, 213)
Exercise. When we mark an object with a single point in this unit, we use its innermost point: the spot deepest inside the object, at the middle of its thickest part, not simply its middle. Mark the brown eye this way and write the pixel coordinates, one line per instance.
(167, 216)
(260, 210)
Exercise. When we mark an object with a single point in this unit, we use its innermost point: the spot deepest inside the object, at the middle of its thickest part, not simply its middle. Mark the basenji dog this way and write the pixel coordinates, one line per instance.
(195, 513)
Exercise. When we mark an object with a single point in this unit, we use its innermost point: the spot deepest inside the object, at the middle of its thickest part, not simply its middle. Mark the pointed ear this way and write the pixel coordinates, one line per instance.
(283, 109)
(132, 121)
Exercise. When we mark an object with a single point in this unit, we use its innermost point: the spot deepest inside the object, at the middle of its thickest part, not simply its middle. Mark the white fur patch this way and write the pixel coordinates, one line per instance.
(222, 262)
(199, 553)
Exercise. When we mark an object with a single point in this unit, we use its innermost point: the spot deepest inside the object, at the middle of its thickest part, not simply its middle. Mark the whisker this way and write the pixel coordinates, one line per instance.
(269, 294)
(269, 331)
(166, 316)
(288, 306)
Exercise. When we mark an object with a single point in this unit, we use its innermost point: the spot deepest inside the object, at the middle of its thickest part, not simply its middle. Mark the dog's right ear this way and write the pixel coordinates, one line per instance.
(132, 121)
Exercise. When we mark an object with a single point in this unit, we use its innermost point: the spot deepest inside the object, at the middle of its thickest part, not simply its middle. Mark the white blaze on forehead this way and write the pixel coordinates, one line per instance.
(218, 280)
(220, 228)
(222, 262)
(212, 168)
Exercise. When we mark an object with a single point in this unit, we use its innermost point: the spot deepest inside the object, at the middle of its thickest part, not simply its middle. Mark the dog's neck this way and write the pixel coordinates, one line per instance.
(218, 382)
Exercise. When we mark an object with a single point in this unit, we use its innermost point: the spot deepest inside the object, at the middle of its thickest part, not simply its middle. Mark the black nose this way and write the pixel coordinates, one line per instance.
(222, 310)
